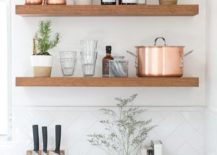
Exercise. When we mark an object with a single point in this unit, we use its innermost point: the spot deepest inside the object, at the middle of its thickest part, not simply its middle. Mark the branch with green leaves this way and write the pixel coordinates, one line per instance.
(124, 134)
(43, 41)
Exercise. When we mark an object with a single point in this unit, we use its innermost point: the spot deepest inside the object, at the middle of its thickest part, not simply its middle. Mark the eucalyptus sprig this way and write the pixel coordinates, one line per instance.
(42, 38)
(124, 134)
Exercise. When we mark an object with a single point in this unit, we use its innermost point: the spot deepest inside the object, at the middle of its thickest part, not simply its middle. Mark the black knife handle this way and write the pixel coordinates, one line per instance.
(35, 138)
(58, 137)
(44, 136)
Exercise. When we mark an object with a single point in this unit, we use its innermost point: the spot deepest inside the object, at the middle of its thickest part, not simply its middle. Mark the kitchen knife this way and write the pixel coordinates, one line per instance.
(35, 139)
(44, 136)
(58, 138)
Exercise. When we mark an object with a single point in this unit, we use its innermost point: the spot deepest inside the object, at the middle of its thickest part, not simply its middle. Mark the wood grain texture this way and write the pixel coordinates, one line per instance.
(50, 152)
(107, 82)
(107, 10)
(30, 152)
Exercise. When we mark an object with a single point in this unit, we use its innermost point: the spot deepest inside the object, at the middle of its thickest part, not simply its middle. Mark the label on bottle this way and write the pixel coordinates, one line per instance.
(129, 1)
(108, 1)
(105, 69)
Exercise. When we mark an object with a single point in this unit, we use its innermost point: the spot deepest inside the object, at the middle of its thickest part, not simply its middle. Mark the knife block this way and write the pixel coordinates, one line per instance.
(50, 152)
(30, 152)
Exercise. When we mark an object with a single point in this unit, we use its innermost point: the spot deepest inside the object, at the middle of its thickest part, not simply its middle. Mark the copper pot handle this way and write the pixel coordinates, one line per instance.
(182, 58)
(188, 53)
(131, 53)
(162, 38)
(134, 55)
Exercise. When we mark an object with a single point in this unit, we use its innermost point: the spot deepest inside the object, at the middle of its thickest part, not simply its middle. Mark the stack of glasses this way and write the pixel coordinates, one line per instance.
(88, 57)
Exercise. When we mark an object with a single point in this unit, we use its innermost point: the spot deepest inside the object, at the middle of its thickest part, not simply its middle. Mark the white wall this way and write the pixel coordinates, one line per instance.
(211, 54)
(181, 129)
(122, 33)
(211, 78)
(4, 68)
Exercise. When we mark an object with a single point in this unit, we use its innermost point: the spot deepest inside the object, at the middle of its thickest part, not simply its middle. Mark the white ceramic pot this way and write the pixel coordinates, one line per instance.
(42, 65)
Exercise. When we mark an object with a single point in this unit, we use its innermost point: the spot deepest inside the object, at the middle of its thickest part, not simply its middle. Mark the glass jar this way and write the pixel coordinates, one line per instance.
(118, 67)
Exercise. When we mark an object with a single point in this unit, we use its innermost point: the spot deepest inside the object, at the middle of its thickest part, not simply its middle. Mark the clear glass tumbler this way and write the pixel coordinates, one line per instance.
(88, 60)
(88, 46)
(68, 61)
(118, 67)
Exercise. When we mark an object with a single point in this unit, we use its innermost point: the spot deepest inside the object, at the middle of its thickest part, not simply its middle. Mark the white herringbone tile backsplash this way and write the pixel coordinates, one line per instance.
(182, 131)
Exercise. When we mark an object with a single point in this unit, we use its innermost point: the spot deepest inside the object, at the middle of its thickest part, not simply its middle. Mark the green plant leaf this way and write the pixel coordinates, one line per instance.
(124, 134)
(43, 38)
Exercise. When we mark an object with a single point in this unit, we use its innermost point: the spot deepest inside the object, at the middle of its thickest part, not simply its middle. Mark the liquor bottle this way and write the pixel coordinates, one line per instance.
(105, 61)
(34, 47)
(108, 2)
(127, 2)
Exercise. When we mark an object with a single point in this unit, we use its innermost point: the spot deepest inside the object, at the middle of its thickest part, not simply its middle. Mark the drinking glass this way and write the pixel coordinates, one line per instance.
(88, 60)
(68, 60)
(88, 46)
(118, 67)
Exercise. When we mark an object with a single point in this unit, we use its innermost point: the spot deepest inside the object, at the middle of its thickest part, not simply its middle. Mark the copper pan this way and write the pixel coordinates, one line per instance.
(33, 2)
(158, 61)
(44, 2)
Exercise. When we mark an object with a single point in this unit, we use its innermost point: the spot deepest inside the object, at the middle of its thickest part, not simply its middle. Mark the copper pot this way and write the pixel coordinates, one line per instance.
(56, 2)
(33, 2)
(157, 61)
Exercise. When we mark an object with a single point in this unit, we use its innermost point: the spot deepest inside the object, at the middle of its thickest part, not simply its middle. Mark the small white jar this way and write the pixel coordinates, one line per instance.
(141, 2)
(83, 2)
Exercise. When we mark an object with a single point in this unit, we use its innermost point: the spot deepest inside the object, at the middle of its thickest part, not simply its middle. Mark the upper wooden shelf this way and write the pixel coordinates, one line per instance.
(107, 10)
(108, 82)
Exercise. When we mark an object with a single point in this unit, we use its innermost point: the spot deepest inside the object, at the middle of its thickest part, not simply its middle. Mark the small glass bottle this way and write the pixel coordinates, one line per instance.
(108, 2)
(105, 61)
(127, 2)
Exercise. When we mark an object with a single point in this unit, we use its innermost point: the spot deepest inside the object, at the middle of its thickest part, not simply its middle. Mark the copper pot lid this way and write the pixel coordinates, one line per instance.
(159, 46)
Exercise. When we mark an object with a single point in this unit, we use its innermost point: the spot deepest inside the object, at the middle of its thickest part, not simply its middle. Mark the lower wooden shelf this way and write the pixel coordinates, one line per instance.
(107, 82)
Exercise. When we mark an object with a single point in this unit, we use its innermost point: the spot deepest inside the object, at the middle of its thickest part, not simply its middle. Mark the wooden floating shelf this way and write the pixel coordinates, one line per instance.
(107, 10)
(107, 82)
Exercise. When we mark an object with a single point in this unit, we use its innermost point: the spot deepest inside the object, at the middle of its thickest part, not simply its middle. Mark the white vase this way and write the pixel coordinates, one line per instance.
(42, 65)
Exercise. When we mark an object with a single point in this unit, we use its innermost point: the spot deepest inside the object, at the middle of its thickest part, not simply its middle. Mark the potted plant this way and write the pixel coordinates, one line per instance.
(42, 43)
(125, 133)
